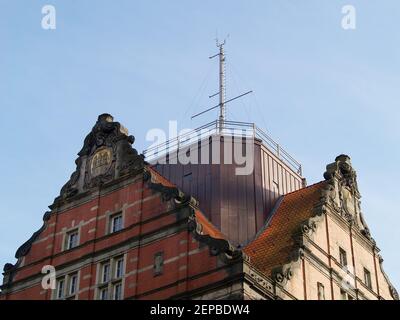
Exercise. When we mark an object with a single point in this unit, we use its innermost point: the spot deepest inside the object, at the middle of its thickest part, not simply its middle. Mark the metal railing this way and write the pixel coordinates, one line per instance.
(235, 128)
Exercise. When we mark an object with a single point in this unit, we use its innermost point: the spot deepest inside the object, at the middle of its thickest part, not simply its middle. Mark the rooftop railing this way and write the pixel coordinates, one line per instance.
(243, 129)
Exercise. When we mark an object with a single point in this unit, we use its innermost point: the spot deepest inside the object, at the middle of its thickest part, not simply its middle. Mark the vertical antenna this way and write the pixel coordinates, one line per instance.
(222, 110)
(221, 92)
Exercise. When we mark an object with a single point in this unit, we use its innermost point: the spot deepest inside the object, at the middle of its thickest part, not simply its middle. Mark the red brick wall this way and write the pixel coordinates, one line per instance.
(183, 256)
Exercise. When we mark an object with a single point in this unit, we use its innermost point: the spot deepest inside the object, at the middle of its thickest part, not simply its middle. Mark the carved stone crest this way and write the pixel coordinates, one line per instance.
(101, 162)
(107, 154)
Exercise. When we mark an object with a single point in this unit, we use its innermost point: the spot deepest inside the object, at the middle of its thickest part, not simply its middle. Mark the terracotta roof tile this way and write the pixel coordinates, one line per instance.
(273, 246)
(208, 227)
(158, 178)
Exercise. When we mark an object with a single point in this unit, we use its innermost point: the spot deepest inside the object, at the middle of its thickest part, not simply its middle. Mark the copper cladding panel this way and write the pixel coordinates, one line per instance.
(237, 204)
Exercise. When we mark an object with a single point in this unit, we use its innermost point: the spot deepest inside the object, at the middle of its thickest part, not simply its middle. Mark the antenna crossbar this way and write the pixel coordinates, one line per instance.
(209, 109)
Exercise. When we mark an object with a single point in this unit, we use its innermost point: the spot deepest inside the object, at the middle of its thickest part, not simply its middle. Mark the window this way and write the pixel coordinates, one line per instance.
(104, 294)
(116, 223)
(73, 281)
(118, 291)
(321, 291)
(110, 277)
(105, 277)
(367, 278)
(67, 287)
(60, 288)
(343, 257)
(72, 239)
(119, 268)
(158, 263)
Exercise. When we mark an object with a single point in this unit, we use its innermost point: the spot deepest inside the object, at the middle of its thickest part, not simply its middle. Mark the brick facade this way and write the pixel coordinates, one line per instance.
(164, 246)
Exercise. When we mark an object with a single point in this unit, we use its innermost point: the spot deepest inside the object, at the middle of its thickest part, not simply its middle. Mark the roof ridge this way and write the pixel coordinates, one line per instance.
(302, 189)
(267, 221)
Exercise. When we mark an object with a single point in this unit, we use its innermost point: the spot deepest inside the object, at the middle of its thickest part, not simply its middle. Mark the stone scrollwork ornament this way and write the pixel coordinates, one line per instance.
(341, 176)
(107, 154)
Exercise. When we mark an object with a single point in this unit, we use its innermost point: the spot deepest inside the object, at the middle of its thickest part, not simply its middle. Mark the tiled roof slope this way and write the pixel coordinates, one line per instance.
(273, 246)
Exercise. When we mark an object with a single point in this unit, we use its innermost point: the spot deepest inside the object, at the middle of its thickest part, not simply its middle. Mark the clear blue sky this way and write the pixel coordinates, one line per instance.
(318, 89)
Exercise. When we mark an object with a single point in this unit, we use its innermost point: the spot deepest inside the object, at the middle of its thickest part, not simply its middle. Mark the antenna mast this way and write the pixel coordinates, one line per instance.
(221, 92)
(221, 84)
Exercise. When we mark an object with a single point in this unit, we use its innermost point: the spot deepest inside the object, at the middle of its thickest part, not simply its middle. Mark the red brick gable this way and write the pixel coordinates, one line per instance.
(151, 205)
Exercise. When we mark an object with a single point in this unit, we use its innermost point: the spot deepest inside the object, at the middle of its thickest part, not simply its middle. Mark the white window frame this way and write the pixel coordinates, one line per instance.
(119, 265)
(66, 293)
(118, 284)
(105, 276)
(62, 295)
(70, 284)
(68, 236)
(104, 289)
(113, 281)
(112, 224)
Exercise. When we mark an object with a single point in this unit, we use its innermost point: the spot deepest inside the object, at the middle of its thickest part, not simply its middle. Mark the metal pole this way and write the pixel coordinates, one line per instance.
(221, 86)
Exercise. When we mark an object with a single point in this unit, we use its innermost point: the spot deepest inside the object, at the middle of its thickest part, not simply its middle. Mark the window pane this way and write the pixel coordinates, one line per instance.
(104, 294)
(72, 240)
(60, 289)
(118, 291)
(367, 278)
(343, 257)
(106, 272)
(117, 223)
(119, 268)
(73, 284)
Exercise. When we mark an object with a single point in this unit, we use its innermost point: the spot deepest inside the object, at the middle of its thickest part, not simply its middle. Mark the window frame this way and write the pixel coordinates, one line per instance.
(343, 257)
(59, 281)
(70, 278)
(105, 277)
(66, 293)
(69, 234)
(103, 289)
(367, 278)
(114, 278)
(117, 262)
(112, 218)
(118, 284)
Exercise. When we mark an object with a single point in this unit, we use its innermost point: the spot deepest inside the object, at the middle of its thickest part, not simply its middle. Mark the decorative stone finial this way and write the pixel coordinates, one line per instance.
(105, 117)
